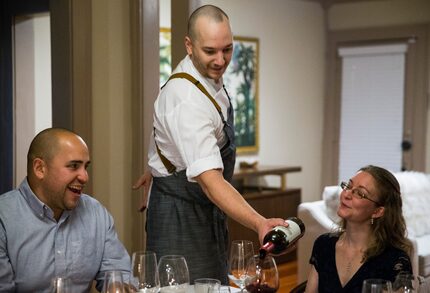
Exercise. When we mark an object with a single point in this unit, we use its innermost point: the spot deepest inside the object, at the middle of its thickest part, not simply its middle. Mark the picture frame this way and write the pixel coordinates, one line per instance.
(165, 55)
(241, 81)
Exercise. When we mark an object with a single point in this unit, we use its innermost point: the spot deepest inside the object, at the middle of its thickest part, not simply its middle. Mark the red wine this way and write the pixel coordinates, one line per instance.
(280, 238)
(257, 287)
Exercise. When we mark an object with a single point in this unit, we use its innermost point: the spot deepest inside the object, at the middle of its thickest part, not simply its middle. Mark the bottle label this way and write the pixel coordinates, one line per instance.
(293, 230)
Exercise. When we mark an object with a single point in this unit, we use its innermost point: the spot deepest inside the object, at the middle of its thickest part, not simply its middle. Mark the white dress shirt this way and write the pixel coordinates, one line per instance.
(189, 130)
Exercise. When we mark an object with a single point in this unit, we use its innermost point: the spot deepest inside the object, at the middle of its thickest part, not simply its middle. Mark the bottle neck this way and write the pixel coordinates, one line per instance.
(266, 249)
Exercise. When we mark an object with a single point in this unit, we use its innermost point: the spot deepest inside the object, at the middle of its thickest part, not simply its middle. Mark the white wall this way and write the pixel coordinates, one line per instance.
(32, 68)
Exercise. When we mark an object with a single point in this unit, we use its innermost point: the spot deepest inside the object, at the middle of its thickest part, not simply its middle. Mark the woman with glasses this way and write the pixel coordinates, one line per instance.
(371, 241)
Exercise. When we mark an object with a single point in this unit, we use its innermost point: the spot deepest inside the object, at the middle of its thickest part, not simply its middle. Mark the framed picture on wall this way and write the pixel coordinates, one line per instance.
(165, 55)
(241, 80)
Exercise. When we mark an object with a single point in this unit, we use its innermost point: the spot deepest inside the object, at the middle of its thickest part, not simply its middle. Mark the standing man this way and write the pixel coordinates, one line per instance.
(192, 155)
(49, 228)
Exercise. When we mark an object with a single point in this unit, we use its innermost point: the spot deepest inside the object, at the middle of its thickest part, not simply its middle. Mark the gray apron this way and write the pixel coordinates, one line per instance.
(182, 220)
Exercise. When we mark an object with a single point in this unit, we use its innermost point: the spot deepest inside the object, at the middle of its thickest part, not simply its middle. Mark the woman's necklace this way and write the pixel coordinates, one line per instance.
(351, 259)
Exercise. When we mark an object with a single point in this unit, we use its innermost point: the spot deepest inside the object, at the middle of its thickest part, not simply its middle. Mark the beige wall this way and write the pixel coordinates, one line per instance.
(378, 13)
(111, 153)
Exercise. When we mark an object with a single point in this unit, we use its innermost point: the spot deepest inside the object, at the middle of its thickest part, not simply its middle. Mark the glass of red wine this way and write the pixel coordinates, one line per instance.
(266, 276)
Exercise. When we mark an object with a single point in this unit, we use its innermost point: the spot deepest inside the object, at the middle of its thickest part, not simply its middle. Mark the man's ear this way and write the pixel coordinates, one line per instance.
(189, 45)
(379, 212)
(39, 168)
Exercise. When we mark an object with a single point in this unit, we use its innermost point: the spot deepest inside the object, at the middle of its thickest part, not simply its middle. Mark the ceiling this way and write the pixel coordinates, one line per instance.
(328, 3)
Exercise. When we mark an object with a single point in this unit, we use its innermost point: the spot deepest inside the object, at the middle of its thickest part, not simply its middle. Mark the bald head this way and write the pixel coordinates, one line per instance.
(210, 11)
(47, 144)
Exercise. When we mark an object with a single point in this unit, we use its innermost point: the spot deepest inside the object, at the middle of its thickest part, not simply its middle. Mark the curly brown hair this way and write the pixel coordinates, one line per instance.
(390, 229)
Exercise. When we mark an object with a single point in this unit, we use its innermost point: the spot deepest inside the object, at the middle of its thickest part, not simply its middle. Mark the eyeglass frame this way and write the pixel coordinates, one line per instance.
(356, 192)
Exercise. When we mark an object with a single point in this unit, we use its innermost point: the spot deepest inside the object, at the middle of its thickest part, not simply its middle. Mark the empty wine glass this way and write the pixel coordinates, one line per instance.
(241, 253)
(206, 285)
(376, 286)
(173, 273)
(61, 285)
(265, 275)
(113, 282)
(145, 272)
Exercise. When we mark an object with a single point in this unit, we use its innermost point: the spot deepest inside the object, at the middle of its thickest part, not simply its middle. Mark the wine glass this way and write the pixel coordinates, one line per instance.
(145, 272)
(174, 275)
(404, 283)
(206, 285)
(376, 286)
(113, 282)
(241, 254)
(61, 285)
(408, 283)
(265, 276)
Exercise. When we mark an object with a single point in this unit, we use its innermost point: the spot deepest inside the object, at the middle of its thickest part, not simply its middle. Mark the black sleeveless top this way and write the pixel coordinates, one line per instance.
(385, 266)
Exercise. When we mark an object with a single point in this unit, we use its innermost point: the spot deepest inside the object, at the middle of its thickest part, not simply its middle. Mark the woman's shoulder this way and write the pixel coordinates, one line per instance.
(331, 236)
(395, 258)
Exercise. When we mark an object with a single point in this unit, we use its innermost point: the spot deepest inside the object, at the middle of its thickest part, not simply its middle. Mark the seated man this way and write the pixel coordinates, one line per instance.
(49, 228)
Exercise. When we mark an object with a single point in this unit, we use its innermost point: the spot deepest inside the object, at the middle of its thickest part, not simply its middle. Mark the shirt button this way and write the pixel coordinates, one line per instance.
(59, 251)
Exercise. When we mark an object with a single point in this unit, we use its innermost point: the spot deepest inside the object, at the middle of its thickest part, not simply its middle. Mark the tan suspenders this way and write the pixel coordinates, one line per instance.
(169, 166)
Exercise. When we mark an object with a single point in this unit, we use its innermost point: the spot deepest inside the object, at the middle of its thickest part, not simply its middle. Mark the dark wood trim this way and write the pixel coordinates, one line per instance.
(71, 47)
(180, 10)
(145, 32)
(6, 99)
(61, 55)
(415, 121)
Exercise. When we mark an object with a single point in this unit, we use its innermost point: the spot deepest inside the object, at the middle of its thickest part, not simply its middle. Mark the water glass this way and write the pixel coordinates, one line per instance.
(113, 282)
(241, 254)
(145, 276)
(376, 286)
(173, 273)
(207, 285)
(61, 285)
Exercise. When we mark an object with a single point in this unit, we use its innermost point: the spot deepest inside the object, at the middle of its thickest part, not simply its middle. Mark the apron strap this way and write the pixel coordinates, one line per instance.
(199, 86)
(167, 164)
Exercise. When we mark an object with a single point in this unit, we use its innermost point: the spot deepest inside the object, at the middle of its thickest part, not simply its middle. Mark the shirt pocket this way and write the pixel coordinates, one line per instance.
(83, 259)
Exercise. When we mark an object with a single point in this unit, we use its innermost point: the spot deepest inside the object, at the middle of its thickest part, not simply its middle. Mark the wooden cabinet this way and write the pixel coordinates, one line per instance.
(279, 202)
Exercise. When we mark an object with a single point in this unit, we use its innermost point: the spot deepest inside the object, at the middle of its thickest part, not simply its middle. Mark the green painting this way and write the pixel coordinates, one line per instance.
(241, 82)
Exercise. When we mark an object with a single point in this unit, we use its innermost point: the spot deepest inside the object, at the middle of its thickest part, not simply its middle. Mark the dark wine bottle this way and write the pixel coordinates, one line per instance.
(280, 238)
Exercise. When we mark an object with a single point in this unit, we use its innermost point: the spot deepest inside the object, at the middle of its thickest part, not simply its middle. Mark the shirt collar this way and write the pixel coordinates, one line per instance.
(40, 208)
(215, 86)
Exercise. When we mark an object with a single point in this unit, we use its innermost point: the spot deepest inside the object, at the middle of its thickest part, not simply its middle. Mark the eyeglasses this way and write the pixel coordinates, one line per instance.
(356, 192)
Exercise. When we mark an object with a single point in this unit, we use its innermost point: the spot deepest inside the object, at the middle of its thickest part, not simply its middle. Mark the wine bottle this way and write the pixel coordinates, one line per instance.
(280, 238)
